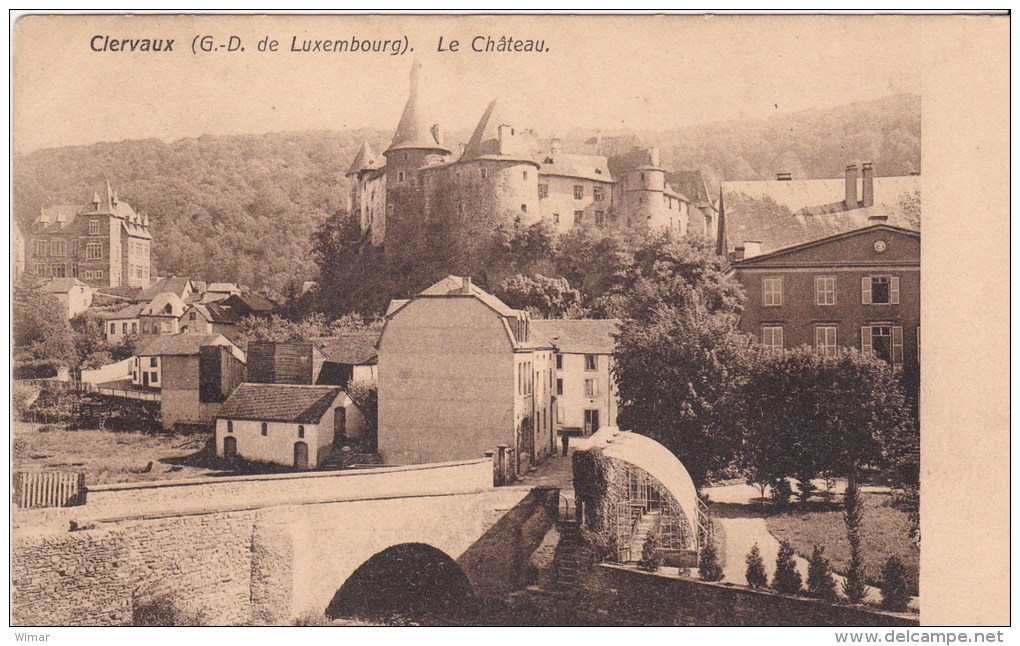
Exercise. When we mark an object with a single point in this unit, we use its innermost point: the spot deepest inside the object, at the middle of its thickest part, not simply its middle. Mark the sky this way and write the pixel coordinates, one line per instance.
(610, 73)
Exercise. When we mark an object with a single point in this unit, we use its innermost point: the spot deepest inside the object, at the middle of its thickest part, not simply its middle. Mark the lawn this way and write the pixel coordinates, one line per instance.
(112, 456)
(886, 532)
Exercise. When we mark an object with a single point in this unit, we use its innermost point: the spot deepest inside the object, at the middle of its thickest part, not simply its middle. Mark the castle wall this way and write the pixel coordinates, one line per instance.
(560, 208)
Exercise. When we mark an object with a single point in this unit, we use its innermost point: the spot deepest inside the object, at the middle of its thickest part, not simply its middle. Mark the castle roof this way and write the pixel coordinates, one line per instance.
(104, 202)
(593, 167)
(780, 214)
(366, 159)
(414, 130)
(486, 143)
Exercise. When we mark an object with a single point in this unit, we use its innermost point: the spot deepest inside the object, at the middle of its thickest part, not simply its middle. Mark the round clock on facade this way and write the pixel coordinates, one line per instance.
(879, 246)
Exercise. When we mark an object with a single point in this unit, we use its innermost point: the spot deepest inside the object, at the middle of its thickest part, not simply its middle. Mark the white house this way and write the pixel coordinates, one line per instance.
(162, 314)
(123, 323)
(585, 391)
(289, 424)
(75, 296)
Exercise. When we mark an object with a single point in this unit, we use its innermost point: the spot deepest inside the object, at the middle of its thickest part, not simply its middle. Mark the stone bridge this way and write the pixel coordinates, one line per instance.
(274, 549)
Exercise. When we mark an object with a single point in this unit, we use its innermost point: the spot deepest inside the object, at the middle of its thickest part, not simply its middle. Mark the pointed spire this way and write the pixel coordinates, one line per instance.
(488, 141)
(414, 131)
(721, 246)
(366, 159)
(110, 198)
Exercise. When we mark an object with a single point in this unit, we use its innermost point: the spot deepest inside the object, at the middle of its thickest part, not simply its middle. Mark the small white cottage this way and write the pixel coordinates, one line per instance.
(294, 425)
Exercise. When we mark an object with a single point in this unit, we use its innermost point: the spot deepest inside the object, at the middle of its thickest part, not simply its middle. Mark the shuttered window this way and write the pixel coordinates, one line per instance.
(880, 290)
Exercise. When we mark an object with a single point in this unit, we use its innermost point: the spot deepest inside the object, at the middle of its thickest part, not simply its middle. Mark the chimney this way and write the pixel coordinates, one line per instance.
(851, 187)
(784, 177)
(867, 185)
(465, 285)
(654, 155)
(878, 219)
(751, 248)
(738, 252)
(506, 135)
(556, 146)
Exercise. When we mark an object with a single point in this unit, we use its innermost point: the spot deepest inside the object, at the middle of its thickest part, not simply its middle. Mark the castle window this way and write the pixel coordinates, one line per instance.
(40, 247)
(578, 216)
(543, 191)
(230, 426)
(600, 218)
(300, 430)
(642, 177)
(58, 248)
(400, 177)
(524, 208)
(93, 227)
(59, 270)
(485, 173)
(525, 176)
(40, 269)
(578, 192)
(598, 193)
(265, 428)
(556, 218)
(93, 251)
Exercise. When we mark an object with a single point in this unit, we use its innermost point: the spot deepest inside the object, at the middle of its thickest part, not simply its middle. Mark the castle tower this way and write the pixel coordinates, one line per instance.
(366, 195)
(415, 144)
(643, 196)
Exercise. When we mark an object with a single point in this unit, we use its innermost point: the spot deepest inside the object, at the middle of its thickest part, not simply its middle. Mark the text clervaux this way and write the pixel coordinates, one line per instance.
(107, 43)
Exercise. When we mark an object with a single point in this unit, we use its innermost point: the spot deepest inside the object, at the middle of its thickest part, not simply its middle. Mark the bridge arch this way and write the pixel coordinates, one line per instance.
(408, 579)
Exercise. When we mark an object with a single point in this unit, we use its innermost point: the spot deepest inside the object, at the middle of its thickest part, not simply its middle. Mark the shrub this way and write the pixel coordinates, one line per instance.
(651, 557)
(781, 492)
(820, 583)
(163, 610)
(854, 587)
(805, 488)
(22, 398)
(786, 579)
(755, 574)
(895, 595)
(708, 563)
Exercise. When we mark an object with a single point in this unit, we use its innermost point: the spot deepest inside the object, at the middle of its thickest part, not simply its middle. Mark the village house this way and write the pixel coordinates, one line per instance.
(348, 357)
(103, 243)
(75, 297)
(181, 286)
(209, 318)
(216, 292)
(194, 374)
(586, 397)
(249, 304)
(285, 362)
(859, 289)
(161, 315)
(123, 323)
(459, 375)
(294, 425)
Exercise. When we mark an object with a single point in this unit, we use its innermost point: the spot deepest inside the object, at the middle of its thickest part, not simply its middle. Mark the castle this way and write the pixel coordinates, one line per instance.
(418, 192)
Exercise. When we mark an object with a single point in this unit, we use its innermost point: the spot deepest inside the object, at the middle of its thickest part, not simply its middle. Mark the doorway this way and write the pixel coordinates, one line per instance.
(339, 427)
(300, 455)
(591, 421)
(230, 448)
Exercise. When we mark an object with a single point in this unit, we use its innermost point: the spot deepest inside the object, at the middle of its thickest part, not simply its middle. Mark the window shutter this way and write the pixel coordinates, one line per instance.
(866, 290)
(780, 340)
(866, 341)
(897, 344)
(894, 290)
(819, 339)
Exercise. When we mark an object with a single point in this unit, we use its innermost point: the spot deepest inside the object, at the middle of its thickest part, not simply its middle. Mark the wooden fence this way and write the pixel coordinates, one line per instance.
(36, 489)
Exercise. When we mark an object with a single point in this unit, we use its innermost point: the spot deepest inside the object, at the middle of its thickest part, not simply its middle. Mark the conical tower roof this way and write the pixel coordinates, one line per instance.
(414, 130)
(485, 143)
(366, 159)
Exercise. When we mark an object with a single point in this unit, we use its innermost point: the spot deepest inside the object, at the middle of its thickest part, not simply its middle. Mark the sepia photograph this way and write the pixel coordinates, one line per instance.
(509, 320)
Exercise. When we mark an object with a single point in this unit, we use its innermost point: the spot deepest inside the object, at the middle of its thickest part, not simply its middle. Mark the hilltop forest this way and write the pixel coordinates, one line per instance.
(247, 208)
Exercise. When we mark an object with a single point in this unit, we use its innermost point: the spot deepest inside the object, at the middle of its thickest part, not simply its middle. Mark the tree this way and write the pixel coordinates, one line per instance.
(791, 425)
(708, 563)
(895, 594)
(786, 579)
(365, 395)
(755, 573)
(854, 585)
(42, 337)
(550, 298)
(675, 364)
(820, 582)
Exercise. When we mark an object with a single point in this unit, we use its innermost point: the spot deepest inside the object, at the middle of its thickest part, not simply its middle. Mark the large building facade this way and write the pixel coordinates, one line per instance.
(504, 173)
(103, 243)
(860, 289)
(460, 373)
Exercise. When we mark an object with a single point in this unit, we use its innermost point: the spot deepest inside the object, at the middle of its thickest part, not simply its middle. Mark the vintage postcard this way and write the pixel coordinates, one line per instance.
(510, 320)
